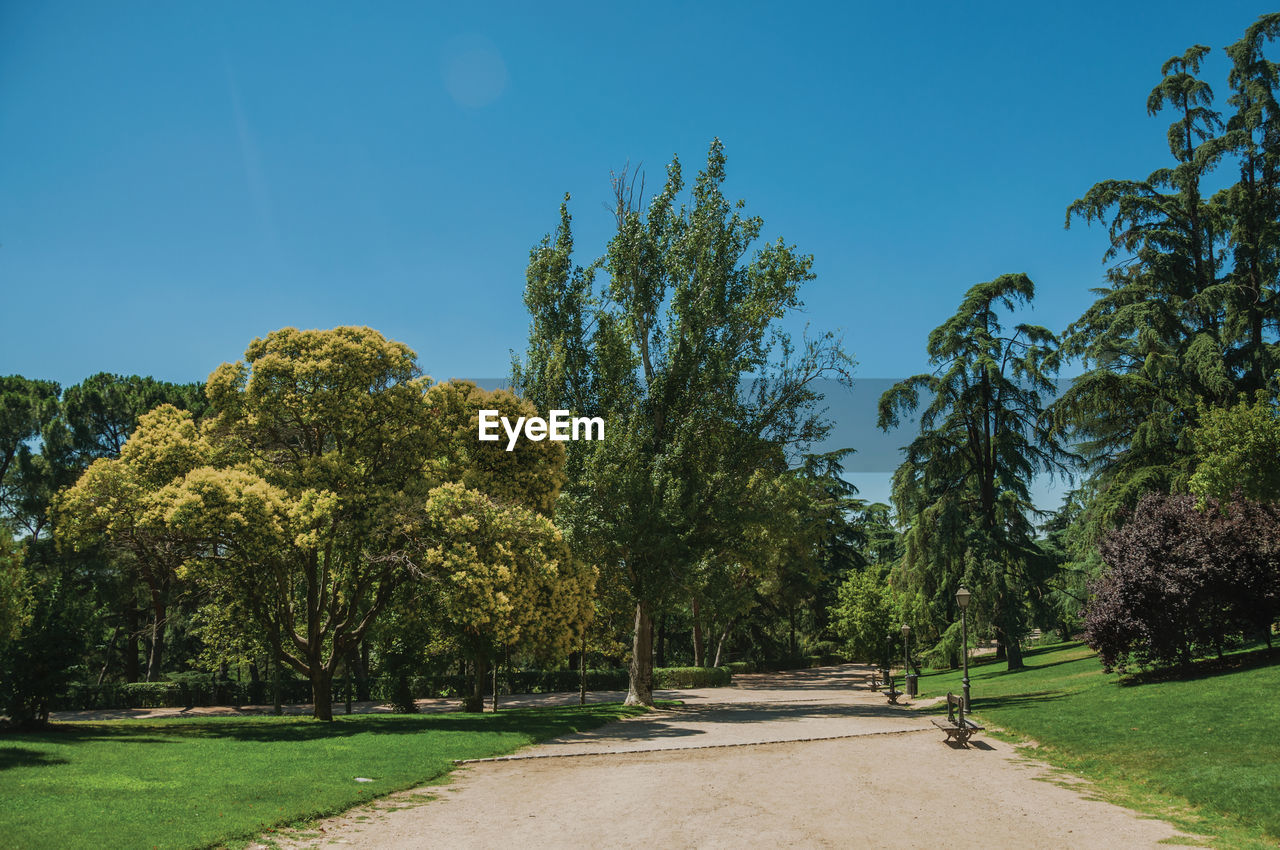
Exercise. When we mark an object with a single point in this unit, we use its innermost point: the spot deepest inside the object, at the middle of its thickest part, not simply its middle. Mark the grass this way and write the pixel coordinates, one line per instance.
(196, 782)
(1201, 750)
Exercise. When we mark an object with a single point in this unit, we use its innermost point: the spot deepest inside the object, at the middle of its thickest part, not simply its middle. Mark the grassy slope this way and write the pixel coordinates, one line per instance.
(199, 781)
(1203, 751)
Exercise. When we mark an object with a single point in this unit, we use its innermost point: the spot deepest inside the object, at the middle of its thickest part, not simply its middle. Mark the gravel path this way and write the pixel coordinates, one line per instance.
(809, 759)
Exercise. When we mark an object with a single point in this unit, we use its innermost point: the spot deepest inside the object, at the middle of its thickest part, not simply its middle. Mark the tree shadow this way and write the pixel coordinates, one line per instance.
(1207, 668)
(1014, 700)
(1006, 701)
(656, 727)
(11, 757)
(532, 722)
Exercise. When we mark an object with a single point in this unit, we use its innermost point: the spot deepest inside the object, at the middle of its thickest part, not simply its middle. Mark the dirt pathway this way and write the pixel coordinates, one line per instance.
(809, 759)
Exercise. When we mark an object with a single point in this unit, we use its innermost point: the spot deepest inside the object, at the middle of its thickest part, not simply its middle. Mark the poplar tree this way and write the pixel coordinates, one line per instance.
(682, 354)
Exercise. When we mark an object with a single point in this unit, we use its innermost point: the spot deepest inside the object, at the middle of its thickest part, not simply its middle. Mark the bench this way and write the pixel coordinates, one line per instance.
(957, 726)
(873, 681)
(892, 693)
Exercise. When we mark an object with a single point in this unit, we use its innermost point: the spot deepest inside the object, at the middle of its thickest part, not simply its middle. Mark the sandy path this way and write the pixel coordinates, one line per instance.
(801, 759)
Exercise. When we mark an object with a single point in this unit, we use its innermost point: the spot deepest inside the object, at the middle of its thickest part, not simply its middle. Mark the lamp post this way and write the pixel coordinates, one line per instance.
(906, 661)
(888, 659)
(962, 599)
(906, 654)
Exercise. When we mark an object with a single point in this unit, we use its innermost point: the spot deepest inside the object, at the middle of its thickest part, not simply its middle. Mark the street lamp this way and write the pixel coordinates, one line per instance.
(962, 599)
(906, 660)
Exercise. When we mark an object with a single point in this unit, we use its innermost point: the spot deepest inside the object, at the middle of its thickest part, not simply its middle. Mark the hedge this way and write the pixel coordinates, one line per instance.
(691, 677)
(187, 690)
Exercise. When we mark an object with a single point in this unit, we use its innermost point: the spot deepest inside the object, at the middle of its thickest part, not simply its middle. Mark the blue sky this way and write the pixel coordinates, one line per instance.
(176, 179)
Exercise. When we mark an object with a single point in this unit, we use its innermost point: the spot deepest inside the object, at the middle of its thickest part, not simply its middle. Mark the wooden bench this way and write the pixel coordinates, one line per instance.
(957, 726)
(873, 681)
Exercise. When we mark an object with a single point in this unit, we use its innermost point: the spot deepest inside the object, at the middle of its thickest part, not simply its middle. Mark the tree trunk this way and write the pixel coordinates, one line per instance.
(582, 671)
(157, 638)
(640, 687)
(719, 649)
(699, 649)
(362, 681)
(660, 627)
(321, 691)
(475, 702)
(111, 647)
(1012, 650)
(277, 706)
(791, 640)
(131, 641)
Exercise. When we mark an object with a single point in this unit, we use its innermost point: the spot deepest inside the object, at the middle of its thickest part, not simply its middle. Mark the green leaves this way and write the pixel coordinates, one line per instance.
(963, 486)
(681, 352)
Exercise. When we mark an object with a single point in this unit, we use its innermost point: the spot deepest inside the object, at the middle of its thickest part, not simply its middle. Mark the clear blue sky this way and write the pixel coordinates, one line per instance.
(176, 179)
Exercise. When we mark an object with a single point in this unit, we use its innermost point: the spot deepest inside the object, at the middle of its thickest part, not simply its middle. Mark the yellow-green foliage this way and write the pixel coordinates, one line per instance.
(505, 572)
(15, 598)
(122, 501)
(530, 475)
(306, 500)
(1238, 451)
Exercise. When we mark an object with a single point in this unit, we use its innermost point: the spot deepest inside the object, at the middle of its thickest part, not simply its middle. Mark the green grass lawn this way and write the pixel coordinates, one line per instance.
(1202, 750)
(193, 782)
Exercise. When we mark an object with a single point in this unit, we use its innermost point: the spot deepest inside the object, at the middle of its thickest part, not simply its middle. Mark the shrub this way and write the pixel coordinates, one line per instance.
(152, 694)
(1183, 581)
(691, 677)
(863, 614)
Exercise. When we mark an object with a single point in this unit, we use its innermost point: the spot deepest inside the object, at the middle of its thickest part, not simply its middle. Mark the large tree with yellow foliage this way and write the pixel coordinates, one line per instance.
(304, 500)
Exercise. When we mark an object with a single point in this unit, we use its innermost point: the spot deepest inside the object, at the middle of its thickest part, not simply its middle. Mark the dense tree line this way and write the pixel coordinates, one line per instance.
(321, 509)
(1178, 394)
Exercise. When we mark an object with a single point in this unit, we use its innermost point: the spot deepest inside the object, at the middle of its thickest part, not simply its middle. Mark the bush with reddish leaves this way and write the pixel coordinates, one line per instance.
(1184, 581)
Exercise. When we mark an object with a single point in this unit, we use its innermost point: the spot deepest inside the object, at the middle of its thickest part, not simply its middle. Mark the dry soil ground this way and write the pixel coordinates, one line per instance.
(810, 759)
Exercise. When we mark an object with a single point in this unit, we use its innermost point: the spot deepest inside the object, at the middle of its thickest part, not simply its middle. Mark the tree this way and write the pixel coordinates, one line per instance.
(118, 500)
(494, 570)
(502, 576)
(1182, 580)
(1253, 207)
(90, 421)
(864, 614)
(962, 489)
(1190, 316)
(47, 652)
(662, 352)
(289, 500)
(305, 501)
(15, 595)
(331, 434)
(1237, 451)
(1154, 342)
(26, 407)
